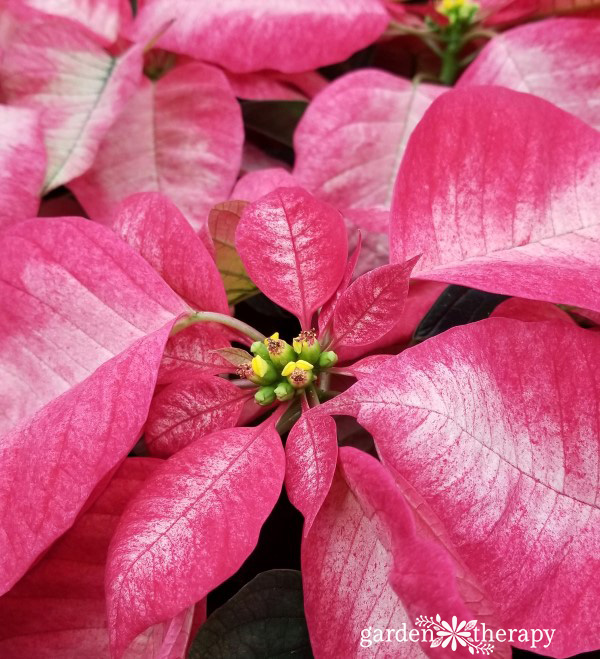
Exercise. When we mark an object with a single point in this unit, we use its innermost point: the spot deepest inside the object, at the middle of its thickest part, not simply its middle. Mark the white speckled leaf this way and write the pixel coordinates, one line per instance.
(496, 424)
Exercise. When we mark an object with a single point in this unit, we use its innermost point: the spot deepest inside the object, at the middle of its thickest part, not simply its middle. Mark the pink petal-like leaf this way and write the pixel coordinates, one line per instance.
(294, 248)
(530, 311)
(311, 455)
(499, 12)
(370, 307)
(259, 183)
(101, 17)
(73, 296)
(363, 538)
(512, 202)
(156, 229)
(186, 145)
(421, 295)
(193, 352)
(558, 60)
(350, 141)
(189, 409)
(495, 425)
(367, 366)
(58, 610)
(51, 464)
(203, 508)
(254, 159)
(47, 63)
(263, 34)
(327, 310)
(22, 164)
(274, 86)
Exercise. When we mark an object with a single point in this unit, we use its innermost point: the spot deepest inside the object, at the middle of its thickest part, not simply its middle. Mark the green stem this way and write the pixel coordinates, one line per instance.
(222, 319)
(313, 397)
(324, 379)
(450, 64)
(288, 418)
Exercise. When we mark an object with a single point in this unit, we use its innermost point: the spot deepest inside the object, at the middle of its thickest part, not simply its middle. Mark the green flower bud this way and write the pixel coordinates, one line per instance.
(328, 359)
(259, 348)
(265, 396)
(307, 347)
(259, 371)
(300, 378)
(284, 391)
(279, 351)
(264, 370)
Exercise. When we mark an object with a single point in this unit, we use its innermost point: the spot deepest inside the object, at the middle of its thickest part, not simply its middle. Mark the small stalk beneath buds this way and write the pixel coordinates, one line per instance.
(313, 396)
(288, 418)
(222, 319)
(342, 371)
(324, 379)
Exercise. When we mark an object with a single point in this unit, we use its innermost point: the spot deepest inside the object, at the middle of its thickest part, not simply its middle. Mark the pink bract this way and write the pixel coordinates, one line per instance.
(58, 608)
(22, 163)
(186, 146)
(286, 37)
(364, 566)
(46, 63)
(558, 60)
(351, 140)
(204, 506)
(511, 210)
(294, 247)
(494, 425)
(87, 318)
(156, 229)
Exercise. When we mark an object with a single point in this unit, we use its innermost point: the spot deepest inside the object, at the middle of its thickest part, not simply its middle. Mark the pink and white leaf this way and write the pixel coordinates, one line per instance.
(557, 59)
(73, 296)
(512, 209)
(421, 296)
(367, 366)
(263, 34)
(22, 164)
(193, 352)
(294, 248)
(102, 18)
(187, 410)
(51, 464)
(327, 310)
(370, 307)
(505, 452)
(274, 86)
(156, 229)
(204, 506)
(365, 566)
(530, 311)
(351, 139)
(57, 610)
(311, 453)
(185, 145)
(52, 66)
(258, 183)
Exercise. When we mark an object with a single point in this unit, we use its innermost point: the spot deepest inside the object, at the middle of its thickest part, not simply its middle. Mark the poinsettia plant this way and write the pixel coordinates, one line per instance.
(297, 353)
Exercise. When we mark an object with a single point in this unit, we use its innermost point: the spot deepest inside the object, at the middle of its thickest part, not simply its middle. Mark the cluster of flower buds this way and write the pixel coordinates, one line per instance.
(282, 369)
(458, 11)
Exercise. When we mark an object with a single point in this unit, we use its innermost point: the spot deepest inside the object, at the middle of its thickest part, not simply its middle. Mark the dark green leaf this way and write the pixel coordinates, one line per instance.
(276, 120)
(457, 305)
(264, 619)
